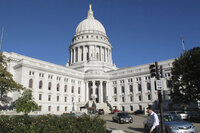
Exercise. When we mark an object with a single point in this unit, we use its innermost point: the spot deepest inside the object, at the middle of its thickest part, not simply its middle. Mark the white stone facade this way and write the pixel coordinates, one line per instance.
(89, 75)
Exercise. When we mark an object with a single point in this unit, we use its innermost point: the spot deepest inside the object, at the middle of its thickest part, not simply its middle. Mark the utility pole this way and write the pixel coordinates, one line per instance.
(1, 38)
(154, 72)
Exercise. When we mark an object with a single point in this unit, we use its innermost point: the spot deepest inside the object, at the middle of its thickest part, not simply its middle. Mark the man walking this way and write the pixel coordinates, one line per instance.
(153, 117)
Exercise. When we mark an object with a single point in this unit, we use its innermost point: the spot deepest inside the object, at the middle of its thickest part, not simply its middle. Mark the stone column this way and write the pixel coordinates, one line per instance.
(127, 91)
(93, 89)
(101, 92)
(100, 54)
(79, 54)
(86, 91)
(73, 55)
(70, 56)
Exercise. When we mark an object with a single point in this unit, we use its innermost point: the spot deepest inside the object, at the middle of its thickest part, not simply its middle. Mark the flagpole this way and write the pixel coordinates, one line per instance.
(183, 45)
(1, 38)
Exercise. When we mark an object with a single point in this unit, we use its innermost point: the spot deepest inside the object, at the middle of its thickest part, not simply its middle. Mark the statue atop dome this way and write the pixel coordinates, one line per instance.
(90, 6)
(90, 12)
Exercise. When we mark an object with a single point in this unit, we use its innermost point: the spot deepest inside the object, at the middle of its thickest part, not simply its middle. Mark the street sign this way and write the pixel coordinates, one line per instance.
(159, 85)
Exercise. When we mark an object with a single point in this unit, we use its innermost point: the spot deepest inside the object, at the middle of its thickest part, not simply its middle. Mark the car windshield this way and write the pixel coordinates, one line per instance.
(171, 118)
(123, 114)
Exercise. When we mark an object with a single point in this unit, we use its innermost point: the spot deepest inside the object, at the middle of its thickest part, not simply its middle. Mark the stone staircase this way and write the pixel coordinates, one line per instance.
(104, 107)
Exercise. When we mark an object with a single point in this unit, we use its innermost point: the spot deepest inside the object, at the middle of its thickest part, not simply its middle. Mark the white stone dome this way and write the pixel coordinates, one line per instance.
(90, 25)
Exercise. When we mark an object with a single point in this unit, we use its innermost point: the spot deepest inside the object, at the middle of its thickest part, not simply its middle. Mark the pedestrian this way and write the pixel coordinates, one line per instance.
(153, 119)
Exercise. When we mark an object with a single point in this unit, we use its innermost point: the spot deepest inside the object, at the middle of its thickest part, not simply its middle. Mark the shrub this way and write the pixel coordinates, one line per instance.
(51, 124)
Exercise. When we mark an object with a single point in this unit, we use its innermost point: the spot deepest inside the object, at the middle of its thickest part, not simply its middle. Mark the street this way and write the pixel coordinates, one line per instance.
(135, 127)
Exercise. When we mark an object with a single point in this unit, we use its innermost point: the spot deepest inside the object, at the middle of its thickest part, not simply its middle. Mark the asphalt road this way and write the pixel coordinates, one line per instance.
(135, 127)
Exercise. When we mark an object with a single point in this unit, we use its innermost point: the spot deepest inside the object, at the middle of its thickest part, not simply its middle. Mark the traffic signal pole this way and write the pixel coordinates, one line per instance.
(160, 98)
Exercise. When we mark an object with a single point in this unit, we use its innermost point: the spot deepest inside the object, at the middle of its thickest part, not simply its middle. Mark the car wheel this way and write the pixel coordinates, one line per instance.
(131, 121)
(119, 121)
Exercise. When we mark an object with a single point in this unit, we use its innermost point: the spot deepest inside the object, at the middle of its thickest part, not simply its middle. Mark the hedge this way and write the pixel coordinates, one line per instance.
(51, 124)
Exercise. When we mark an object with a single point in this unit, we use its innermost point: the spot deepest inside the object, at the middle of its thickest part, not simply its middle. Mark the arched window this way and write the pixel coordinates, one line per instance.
(30, 85)
(40, 84)
(58, 87)
(49, 86)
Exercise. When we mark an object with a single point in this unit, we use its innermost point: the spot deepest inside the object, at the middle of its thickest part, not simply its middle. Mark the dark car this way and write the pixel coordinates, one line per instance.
(101, 112)
(138, 112)
(122, 117)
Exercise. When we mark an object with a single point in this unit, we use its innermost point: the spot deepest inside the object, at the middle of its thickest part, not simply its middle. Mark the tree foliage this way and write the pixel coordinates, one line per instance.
(7, 84)
(25, 103)
(185, 79)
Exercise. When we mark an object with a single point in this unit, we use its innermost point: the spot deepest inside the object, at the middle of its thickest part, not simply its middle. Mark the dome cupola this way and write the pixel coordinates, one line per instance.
(90, 25)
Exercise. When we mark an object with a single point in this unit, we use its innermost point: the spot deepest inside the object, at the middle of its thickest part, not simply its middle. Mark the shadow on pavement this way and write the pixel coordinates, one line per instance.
(137, 129)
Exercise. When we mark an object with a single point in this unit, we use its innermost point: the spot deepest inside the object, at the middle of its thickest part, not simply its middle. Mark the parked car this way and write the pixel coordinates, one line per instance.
(138, 112)
(173, 124)
(122, 117)
(101, 112)
(184, 115)
(114, 111)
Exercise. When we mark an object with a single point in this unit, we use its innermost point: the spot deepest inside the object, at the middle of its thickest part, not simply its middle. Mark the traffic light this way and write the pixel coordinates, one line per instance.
(152, 69)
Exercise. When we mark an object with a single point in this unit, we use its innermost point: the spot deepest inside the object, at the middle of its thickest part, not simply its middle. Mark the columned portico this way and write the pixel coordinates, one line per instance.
(96, 90)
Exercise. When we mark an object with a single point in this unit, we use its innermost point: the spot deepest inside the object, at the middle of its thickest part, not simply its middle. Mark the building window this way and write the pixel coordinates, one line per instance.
(123, 108)
(58, 87)
(122, 99)
(155, 85)
(57, 98)
(31, 73)
(40, 108)
(40, 96)
(72, 99)
(49, 97)
(49, 108)
(149, 97)
(122, 89)
(49, 86)
(140, 98)
(148, 86)
(65, 108)
(131, 88)
(65, 88)
(66, 79)
(65, 99)
(139, 87)
(50, 77)
(30, 83)
(72, 89)
(115, 90)
(40, 84)
(79, 90)
(58, 108)
(131, 108)
(58, 78)
(79, 100)
(115, 99)
(41, 75)
(131, 98)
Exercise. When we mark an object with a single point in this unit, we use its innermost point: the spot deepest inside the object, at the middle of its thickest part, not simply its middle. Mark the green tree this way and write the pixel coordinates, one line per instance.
(185, 79)
(25, 103)
(7, 84)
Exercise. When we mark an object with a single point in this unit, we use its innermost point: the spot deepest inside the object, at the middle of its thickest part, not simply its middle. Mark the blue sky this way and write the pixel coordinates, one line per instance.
(140, 31)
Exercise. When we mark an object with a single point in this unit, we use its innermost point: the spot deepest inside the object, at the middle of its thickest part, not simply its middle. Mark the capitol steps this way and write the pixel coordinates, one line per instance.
(103, 106)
